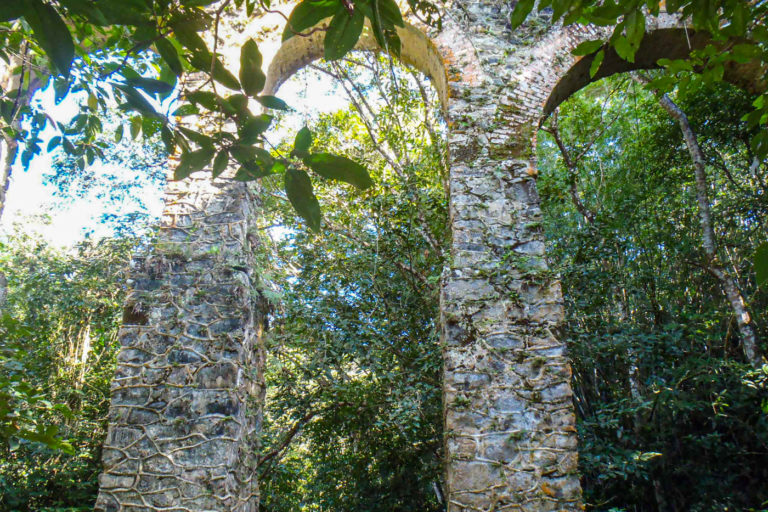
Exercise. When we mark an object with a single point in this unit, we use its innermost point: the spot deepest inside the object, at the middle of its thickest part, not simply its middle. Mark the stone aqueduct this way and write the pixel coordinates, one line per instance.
(185, 416)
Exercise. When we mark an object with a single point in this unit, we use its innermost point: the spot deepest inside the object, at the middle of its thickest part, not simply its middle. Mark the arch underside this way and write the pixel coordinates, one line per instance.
(416, 50)
(663, 43)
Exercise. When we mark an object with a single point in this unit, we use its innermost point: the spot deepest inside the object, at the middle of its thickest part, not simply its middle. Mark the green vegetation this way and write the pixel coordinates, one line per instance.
(57, 357)
(671, 415)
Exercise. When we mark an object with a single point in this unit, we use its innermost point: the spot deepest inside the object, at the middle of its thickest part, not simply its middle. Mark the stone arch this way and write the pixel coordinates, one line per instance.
(668, 42)
(182, 432)
(417, 51)
(557, 74)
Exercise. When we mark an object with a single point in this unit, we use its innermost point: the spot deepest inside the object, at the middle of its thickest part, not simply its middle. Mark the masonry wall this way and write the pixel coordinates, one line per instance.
(185, 413)
(510, 435)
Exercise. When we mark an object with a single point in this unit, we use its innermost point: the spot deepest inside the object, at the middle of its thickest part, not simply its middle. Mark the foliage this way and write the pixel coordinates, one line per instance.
(354, 413)
(669, 415)
(59, 336)
(737, 29)
(137, 54)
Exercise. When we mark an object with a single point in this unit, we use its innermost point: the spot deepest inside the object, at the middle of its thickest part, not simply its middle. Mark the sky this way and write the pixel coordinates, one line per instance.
(31, 200)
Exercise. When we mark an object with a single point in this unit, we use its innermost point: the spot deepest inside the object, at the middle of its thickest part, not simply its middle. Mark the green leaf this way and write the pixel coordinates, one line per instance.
(135, 127)
(205, 98)
(302, 142)
(60, 89)
(189, 38)
(239, 102)
(250, 131)
(307, 14)
(385, 33)
(12, 9)
(136, 100)
(343, 33)
(298, 188)
(388, 11)
(245, 174)
(759, 143)
(168, 139)
(624, 49)
(587, 47)
(151, 85)
(522, 9)
(272, 102)
(760, 263)
(52, 34)
(220, 163)
(193, 161)
(634, 24)
(337, 167)
(559, 7)
(85, 8)
(55, 142)
(213, 66)
(596, 62)
(251, 76)
(196, 137)
(169, 54)
(187, 109)
(243, 154)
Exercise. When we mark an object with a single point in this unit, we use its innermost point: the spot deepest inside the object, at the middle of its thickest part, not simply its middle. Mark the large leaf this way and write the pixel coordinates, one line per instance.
(12, 9)
(86, 8)
(522, 9)
(205, 98)
(255, 126)
(298, 188)
(136, 100)
(193, 161)
(302, 142)
(169, 54)
(337, 167)
(206, 63)
(343, 33)
(383, 26)
(151, 85)
(189, 38)
(307, 14)
(272, 102)
(389, 12)
(52, 34)
(587, 47)
(252, 77)
(220, 163)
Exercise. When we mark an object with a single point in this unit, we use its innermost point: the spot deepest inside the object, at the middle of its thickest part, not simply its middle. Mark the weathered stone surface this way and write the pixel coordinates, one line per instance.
(186, 396)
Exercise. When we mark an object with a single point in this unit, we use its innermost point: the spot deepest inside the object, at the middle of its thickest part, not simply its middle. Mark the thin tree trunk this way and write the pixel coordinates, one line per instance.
(10, 80)
(747, 331)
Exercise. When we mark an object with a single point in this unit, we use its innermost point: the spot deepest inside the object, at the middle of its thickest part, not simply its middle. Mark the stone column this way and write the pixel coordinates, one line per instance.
(510, 434)
(186, 398)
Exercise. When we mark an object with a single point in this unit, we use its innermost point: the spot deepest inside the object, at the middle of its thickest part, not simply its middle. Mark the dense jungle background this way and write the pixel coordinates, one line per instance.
(671, 415)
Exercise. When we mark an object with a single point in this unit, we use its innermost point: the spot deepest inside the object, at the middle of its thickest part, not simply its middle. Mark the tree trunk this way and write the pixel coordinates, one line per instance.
(10, 80)
(728, 283)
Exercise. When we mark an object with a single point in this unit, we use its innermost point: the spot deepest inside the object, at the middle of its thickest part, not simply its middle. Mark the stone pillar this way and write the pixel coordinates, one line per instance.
(510, 437)
(186, 398)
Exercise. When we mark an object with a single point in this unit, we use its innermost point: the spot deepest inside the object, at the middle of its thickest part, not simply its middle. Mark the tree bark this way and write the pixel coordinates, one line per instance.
(747, 331)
